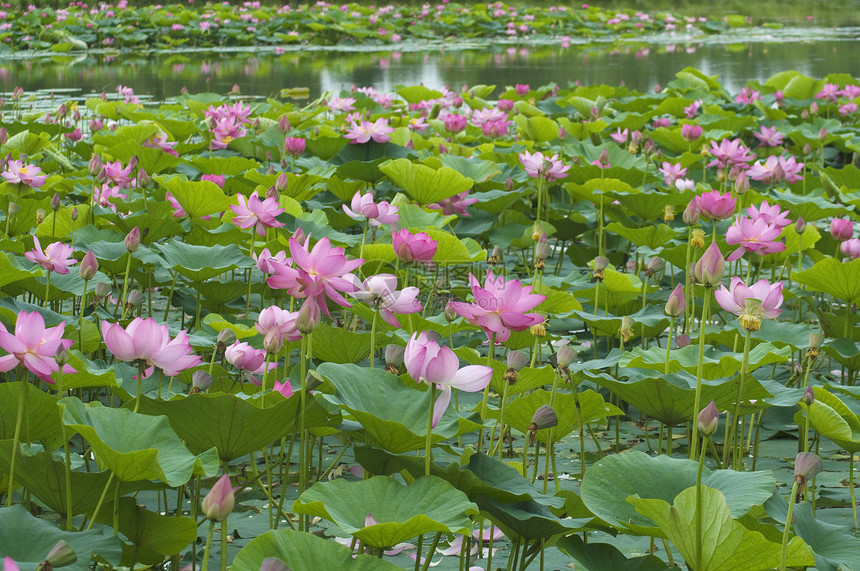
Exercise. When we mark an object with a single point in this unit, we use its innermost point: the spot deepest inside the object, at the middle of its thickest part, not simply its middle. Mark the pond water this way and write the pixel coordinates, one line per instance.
(638, 64)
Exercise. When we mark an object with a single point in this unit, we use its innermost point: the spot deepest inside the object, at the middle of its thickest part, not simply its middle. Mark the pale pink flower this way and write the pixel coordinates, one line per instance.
(537, 165)
(730, 153)
(769, 137)
(691, 132)
(214, 178)
(850, 91)
(770, 214)
(344, 104)
(409, 247)
(847, 109)
(365, 131)
(429, 363)
(715, 206)
(500, 306)
(363, 207)
(57, 257)
(747, 96)
(149, 341)
(250, 361)
(691, 110)
(841, 229)
(34, 346)
(672, 172)
(103, 194)
(755, 236)
(830, 92)
(455, 204)
(620, 136)
(269, 264)
(851, 248)
(18, 173)
(257, 213)
(495, 129)
(734, 298)
(273, 317)
(381, 291)
(114, 173)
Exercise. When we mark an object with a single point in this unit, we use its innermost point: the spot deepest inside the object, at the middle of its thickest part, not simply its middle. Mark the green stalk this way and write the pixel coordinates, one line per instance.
(706, 308)
(490, 352)
(250, 273)
(125, 286)
(208, 545)
(48, 289)
(303, 436)
(787, 526)
(699, 514)
(81, 317)
(668, 345)
(428, 443)
(373, 339)
(22, 396)
(733, 430)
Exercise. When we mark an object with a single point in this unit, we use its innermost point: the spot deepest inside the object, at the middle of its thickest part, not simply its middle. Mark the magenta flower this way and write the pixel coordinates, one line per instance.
(18, 173)
(363, 208)
(769, 137)
(691, 110)
(34, 346)
(830, 92)
(250, 361)
(500, 306)
(321, 272)
(269, 264)
(409, 247)
(522, 89)
(730, 153)
(851, 248)
(770, 214)
(103, 194)
(620, 136)
(427, 362)
(364, 131)
(273, 317)
(454, 122)
(214, 178)
(9, 564)
(381, 291)
(734, 298)
(257, 213)
(715, 206)
(118, 175)
(294, 146)
(770, 172)
(149, 341)
(847, 109)
(455, 204)
(691, 132)
(672, 172)
(841, 229)
(284, 388)
(711, 266)
(537, 165)
(747, 96)
(753, 236)
(495, 129)
(57, 257)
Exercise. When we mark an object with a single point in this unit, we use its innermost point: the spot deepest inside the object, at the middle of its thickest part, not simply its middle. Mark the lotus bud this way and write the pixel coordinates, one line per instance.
(284, 125)
(282, 182)
(219, 502)
(273, 342)
(74, 214)
(40, 215)
(271, 169)
(841, 229)
(62, 111)
(742, 183)
(677, 303)
(626, 330)
(102, 290)
(135, 298)
(813, 108)
(509, 184)
(691, 212)
(132, 240)
(273, 564)
(544, 417)
(708, 419)
(658, 88)
(594, 114)
(604, 158)
(226, 337)
(565, 356)
(143, 179)
(807, 148)
(450, 313)
(200, 381)
(799, 225)
(517, 360)
(650, 148)
(309, 317)
(806, 467)
(272, 193)
(55, 202)
(808, 396)
(61, 555)
(710, 267)
(562, 133)
(89, 266)
(96, 125)
(13, 209)
(4, 136)
(132, 162)
(682, 341)
(751, 315)
(299, 235)
(822, 135)
(62, 356)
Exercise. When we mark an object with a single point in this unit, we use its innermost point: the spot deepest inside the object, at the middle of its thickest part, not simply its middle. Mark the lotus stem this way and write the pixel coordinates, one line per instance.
(486, 397)
(373, 339)
(428, 444)
(787, 529)
(48, 290)
(22, 396)
(81, 317)
(101, 501)
(851, 485)
(734, 421)
(125, 286)
(250, 273)
(208, 545)
(432, 551)
(699, 514)
(706, 308)
(668, 346)
(303, 436)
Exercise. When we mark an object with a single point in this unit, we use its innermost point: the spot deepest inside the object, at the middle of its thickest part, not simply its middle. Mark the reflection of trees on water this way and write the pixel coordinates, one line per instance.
(637, 65)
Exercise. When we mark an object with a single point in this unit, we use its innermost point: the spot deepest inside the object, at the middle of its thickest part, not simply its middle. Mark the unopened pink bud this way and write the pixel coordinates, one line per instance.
(218, 503)
(677, 303)
(89, 266)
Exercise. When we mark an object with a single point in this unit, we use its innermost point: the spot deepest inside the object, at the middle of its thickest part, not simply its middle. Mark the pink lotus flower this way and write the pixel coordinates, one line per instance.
(730, 153)
(381, 291)
(495, 129)
(9, 564)
(620, 136)
(851, 248)
(34, 346)
(427, 362)
(500, 306)
(250, 361)
(364, 131)
(454, 122)
(273, 317)
(753, 236)
(455, 204)
(363, 208)
(537, 165)
(224, 130)
(409, 247)
(770, 214)
(691, 110)
(847, 109)
(18, 173)
(118, 175)
(344, 104)
(522, 89)
(672, 172)
(57, 257)
(102, 195)
(284, 388)
(830, 92)
(149, 341)
(734, 298)
(257, 213)
(770, 172)
(715, 206)
(214, 178)
(269, 264)
(841, 229)
(769, 137)
(691, 132)
(747, 96)
(321, 272)
(294, 146)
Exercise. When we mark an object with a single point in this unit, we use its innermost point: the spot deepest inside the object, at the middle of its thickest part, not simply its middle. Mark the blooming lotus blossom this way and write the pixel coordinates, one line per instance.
(691, 110)
(850, 91)
(103, 194)
(620, 136)
(734, 298)
(160, 141)
(755, 236)
(344, 104)
(537, 165)
(269, 264)
(284, 388)
(294, 146)
(257, 213)
(770, 214)
(454, 122)
(776, 169)
(481, 117)
(672, 172)
(364, 131)
(364, 208)
(730, 153)
(851, 248)
(18, 173)
(830, 92)
(747, 96)
(769, 137)
(250, 361)
(427, 362)
(273, 317)
(321, 272)
(455, 204)
(149, 341)
(57, 257)
(500, 306)
(715, 206)
(847, 109)
(115, 173)
(381, 291)
(34, 346)
(409, 247)
(495, 129)
(224, 130)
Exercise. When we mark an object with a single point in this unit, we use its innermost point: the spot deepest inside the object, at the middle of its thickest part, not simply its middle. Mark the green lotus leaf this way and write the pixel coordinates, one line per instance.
(528, 520)
(845, 351)
(200, 263)
(392, 415)
(227, 166)
(136, 446)
(28, 539)
(777, 333)
(474, 168)
(304, 551)
(41, 420)
(153, 161)
(613, 479)
(26, 143)
(592, 408)
(538, 128)
(338, 345)
(653, 237)
(418, 93)
(423, 184)
(833, 419)
(232, 425)
(830, 275)
(89, 374)
(605, 557)
(11, 271)
(726, 543)
(197, 198)
(653, 318)
(429, 504)
(716, 363)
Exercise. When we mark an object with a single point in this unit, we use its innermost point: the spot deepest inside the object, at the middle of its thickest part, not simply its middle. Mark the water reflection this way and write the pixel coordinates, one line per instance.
(638, 65)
